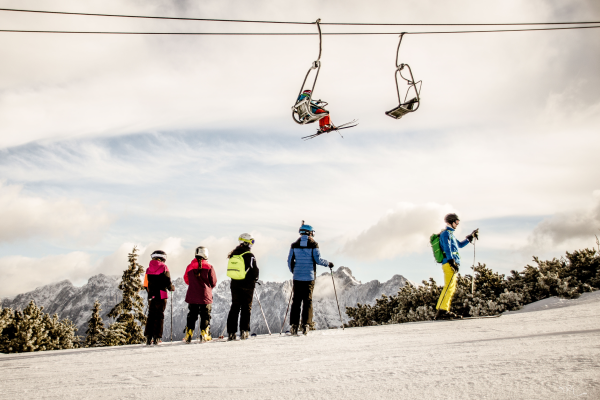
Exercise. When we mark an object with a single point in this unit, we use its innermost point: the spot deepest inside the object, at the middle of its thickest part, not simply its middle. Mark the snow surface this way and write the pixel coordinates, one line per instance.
(550, 354)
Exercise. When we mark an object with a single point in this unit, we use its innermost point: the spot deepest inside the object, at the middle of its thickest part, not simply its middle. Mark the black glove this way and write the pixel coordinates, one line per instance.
(473, 236)
(330, 265)
(453, 264)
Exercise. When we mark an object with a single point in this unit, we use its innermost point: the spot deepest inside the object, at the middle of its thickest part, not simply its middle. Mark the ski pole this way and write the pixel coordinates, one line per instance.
(172, 295)
(263, 313)
(473, 279)
(286, 311)
(336, 299)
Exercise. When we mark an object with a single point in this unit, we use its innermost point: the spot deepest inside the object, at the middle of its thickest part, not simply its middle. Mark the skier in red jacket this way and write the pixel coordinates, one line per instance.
(201, 278)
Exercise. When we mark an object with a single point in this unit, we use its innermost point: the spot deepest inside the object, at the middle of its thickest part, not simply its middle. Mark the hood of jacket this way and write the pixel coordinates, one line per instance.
(156, 267)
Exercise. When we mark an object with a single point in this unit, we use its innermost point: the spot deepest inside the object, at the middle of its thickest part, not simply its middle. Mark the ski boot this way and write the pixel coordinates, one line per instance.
(305, 329)
(205, 335)
(232, 337)
(445, 315)
(294, 330)
(189, 334)
(156, 341)
(245, 335)
(148, 340)
(326, 128)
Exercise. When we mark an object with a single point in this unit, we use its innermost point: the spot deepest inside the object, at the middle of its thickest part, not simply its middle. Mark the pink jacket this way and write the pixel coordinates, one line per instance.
(158, 280)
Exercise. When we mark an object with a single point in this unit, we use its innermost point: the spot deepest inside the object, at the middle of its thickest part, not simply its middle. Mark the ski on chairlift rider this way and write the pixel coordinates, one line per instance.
(317, 107)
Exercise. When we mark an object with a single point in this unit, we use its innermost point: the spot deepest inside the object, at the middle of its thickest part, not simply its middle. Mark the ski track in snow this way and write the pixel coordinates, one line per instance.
(551, 354)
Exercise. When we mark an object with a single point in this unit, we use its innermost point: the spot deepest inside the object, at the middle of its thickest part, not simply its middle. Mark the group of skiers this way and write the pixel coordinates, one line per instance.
(201, 278)
(303, 258)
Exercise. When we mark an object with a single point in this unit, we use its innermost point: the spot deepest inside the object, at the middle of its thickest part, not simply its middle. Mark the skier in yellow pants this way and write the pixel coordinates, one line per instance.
(450, 264)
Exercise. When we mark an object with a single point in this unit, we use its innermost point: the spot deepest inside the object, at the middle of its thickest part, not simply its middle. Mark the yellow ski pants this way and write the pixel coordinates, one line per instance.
(450, 278)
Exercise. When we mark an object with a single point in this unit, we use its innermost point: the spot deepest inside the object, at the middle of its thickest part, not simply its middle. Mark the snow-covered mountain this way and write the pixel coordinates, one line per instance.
(76, 303)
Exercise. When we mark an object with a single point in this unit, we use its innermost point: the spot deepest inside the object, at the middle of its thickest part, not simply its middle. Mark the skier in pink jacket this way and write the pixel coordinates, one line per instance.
(157, 281)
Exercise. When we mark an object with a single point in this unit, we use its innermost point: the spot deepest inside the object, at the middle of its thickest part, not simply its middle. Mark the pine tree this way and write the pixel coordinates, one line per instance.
(95, 327)
(7, 316)
(130, 311)
(30, 332)
(115, 335)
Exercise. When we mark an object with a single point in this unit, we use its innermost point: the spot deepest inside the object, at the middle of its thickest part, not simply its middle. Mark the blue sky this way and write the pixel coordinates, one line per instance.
(174, 142)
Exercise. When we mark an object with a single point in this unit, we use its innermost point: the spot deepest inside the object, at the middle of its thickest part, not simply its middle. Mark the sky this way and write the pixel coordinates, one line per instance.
(171, 142)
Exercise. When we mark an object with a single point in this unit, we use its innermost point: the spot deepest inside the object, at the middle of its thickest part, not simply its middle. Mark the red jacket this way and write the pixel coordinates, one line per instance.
(201, 282)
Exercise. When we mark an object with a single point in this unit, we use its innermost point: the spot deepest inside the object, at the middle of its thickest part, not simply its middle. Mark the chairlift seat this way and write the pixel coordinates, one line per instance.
(302, 113)
(403, 109)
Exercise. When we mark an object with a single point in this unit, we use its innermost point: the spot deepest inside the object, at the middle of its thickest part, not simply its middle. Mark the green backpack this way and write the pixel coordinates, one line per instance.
(438, 253)
(236, 268)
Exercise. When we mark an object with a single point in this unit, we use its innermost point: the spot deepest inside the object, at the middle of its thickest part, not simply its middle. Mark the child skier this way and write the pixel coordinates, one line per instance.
(316, 107)
(243, 271)
(201, 278)
(302, 261)
(450, 264)
(157, 281)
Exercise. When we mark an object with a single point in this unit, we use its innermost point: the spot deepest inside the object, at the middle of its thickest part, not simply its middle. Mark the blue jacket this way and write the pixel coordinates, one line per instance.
(450, 245)
(304, 257)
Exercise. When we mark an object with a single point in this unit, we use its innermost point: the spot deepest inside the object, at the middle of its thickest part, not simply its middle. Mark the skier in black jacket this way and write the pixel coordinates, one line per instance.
(243, 280)
(157, 282)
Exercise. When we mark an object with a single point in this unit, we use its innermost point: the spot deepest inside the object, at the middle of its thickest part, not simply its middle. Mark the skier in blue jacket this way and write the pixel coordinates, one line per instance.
(450, 264)
(302, 262)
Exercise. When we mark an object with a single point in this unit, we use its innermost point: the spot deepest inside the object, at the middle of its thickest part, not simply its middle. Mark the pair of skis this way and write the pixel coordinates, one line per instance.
(347, 125)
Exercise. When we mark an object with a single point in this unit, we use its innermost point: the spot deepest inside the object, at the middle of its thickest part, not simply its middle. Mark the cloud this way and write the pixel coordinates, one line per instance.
(404, 230)
(567, 226)
(25, 217)
(22, 274)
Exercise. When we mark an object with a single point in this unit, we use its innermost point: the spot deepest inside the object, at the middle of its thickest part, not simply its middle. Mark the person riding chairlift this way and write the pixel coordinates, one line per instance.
(325, 124)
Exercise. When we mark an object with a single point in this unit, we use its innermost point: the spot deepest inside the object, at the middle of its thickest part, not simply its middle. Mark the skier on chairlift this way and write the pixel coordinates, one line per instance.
(317, 107)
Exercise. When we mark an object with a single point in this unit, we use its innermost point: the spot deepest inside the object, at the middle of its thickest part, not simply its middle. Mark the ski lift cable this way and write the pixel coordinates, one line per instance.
(292, 33)
(289, 22)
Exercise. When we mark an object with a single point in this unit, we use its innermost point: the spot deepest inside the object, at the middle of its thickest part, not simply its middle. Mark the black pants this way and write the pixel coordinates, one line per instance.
(156, 318)
(203, 310)
(241, 305)
(302, 297)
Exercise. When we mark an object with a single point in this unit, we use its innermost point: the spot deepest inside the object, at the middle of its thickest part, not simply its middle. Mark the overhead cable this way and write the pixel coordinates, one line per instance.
(291, 33)
(288, 22)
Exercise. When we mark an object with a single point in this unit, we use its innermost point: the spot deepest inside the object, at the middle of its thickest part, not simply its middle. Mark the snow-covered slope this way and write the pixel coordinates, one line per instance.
(546, 355)
(76, 302)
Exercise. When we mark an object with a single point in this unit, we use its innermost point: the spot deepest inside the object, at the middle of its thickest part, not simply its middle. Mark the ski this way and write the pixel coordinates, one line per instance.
(480, 317)
(347, 125)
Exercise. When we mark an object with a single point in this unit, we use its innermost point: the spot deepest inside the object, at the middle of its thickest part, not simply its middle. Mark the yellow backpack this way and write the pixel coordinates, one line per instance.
(236, 268)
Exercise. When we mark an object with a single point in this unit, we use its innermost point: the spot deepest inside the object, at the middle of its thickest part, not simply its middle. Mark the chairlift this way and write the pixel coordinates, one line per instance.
(405, 106)
(302, 111)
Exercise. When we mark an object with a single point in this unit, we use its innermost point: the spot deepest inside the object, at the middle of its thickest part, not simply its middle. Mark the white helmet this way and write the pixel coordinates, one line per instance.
(159, 255)
(247, 239)
(202, 252)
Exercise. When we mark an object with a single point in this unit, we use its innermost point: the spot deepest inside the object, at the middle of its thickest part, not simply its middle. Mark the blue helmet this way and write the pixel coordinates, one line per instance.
(306, 229)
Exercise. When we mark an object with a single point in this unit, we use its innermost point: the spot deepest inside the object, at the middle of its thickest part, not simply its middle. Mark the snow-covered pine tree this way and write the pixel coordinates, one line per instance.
(114, 335)
(6, 329)
(130, 311)
(30, 330)
(63, 333)
(95, 327)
